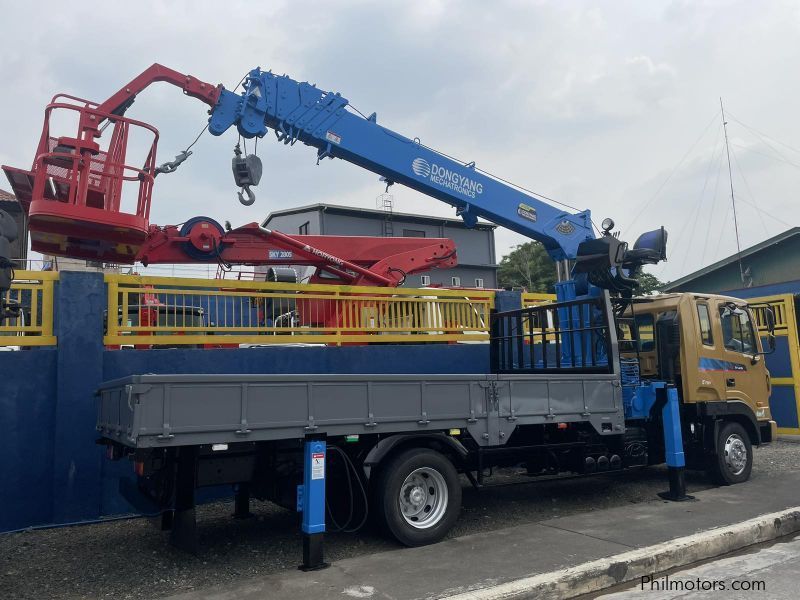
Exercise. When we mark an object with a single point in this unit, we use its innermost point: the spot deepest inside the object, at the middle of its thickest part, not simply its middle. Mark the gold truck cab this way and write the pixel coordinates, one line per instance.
(719, 371)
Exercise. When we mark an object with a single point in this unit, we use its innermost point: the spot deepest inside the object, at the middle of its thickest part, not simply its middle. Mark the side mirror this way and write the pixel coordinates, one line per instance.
(770, 347)
(769, 317)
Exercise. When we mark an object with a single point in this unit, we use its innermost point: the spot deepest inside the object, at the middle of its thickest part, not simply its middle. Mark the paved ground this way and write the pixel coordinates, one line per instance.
(131, 559)
(487, 559)
(767, 572)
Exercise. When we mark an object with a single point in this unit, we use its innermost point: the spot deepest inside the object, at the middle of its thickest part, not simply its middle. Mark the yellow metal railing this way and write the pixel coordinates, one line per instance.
(32, 291)
(536, 299)
(145, 311)
(530, 299)
(783, 307)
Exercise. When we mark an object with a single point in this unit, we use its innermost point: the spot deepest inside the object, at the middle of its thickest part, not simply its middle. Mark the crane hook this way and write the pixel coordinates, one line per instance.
(246, 172)
(251, 197)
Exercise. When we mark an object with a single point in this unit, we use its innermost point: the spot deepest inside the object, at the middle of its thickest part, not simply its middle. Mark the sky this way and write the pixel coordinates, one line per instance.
(607, 106)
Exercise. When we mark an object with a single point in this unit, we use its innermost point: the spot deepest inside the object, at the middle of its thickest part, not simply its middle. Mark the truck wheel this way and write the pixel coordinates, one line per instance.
(734, 456)
(418, 496)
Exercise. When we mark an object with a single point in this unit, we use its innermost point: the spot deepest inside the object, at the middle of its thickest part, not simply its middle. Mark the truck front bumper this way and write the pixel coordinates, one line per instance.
(768, 431)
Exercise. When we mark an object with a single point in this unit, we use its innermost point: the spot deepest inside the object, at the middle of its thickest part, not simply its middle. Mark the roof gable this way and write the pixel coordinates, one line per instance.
(747, 252)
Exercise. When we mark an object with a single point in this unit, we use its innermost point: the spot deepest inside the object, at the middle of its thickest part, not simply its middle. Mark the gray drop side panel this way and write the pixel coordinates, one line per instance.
(541, 399)
(175, 410)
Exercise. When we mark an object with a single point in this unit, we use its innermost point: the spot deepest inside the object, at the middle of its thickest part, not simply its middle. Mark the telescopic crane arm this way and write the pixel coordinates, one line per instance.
(299, 111)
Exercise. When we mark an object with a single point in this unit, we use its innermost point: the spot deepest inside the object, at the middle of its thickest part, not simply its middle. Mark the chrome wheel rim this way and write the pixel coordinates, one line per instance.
(735, 453)
(423, 498)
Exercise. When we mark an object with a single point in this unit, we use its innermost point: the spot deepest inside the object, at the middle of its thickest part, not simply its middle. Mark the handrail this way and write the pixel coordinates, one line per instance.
(780, 305)
(145, 310)
(33, 292)
(536, 299)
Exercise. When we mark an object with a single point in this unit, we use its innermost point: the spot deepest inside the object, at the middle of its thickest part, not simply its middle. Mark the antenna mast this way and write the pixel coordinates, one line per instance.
(733, 198)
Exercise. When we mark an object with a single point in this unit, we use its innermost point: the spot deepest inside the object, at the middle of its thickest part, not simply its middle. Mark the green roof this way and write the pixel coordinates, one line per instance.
(765, 245)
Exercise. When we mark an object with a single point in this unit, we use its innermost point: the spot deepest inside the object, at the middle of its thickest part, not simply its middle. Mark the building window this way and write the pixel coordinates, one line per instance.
(303, 229)
(705, 324)
(455, 281)
(425, 280)
(413, 233)
(478, 282)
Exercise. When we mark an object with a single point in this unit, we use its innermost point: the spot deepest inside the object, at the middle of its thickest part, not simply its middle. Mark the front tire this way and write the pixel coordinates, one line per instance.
(418, 496)
(733, 459)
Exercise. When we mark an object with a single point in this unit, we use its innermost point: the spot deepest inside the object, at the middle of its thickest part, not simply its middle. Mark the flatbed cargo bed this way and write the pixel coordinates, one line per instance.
(149, 411)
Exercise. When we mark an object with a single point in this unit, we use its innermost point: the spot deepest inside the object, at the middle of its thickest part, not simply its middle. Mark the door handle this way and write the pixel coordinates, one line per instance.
(730, 382)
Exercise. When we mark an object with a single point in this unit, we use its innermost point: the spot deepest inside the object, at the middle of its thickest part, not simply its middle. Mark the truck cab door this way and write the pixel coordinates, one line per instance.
(746, 377)
(707, 382)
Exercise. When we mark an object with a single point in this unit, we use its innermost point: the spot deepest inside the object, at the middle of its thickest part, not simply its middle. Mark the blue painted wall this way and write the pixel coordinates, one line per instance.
(786, 287)
(51, 470)
(27, 419)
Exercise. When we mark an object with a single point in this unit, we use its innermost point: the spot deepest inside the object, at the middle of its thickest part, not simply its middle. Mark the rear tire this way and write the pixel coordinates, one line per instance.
(418, 496)
(733, 458)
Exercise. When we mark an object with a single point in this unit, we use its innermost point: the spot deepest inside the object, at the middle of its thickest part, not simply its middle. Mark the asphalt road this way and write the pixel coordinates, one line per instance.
(766, 572)
(132, 559)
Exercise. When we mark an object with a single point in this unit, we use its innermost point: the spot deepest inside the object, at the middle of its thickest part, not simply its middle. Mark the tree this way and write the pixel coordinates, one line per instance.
(648, 284)
(528, 266)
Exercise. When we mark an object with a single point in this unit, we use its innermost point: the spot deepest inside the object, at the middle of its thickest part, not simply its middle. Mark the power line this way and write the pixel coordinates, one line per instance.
(713, 207)
(733, 198)
(749, 191)
(674, 170)
(696, 214)
(761, 133)
(778, 158)
(721, 232)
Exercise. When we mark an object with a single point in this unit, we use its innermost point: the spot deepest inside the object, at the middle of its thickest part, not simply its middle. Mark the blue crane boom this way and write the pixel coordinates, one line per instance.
(300, 111)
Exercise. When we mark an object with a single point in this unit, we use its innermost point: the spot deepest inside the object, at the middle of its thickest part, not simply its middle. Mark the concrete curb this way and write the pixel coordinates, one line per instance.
(607, 572)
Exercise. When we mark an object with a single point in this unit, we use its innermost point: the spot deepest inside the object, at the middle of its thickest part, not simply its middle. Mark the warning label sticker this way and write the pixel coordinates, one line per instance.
(318, 465)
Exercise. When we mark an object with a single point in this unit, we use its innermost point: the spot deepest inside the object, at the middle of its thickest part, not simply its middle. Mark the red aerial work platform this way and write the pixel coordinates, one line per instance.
(76, 191)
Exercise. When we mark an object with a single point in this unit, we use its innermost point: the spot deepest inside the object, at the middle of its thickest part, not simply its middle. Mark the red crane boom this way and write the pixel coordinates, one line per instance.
(75, 192)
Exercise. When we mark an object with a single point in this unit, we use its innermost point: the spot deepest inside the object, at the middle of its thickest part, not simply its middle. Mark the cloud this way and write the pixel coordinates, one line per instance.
(592, 104)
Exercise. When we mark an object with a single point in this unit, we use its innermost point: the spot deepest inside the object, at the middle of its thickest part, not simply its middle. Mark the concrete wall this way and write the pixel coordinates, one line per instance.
(475, 246)
(51, 470)
(290, 224)
(467, 276)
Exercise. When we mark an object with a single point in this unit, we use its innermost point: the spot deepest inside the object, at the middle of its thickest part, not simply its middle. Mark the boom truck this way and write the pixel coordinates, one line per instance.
(599, 381)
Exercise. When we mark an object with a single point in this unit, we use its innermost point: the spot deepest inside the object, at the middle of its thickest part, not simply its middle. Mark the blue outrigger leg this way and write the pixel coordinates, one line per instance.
(311, 502)
(673, 444)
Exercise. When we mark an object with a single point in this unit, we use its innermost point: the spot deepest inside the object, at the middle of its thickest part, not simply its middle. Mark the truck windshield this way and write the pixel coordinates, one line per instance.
(737, 330)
